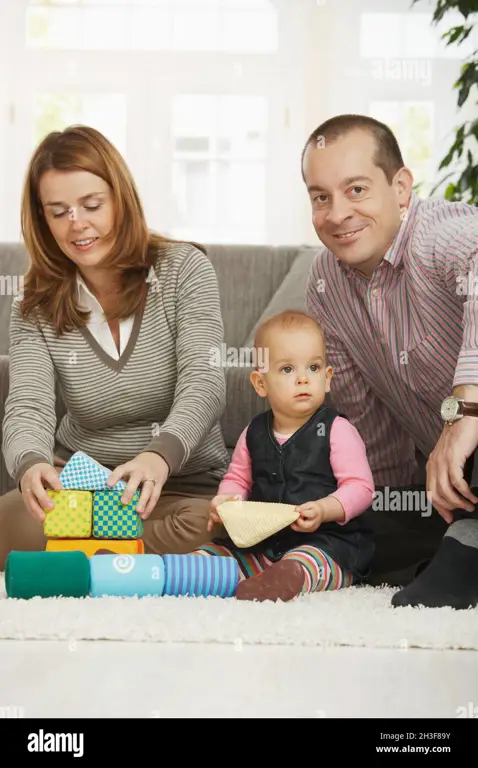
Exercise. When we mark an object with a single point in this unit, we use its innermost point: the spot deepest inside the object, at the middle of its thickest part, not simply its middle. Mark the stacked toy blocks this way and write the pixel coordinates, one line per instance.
(88, 515)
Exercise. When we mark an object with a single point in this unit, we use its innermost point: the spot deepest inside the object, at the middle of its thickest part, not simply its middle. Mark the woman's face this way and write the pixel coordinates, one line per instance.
(78, 209)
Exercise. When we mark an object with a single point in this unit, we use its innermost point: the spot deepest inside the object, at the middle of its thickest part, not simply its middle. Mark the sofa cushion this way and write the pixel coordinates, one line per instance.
(291, 293)
(242, 404)
(248, 277)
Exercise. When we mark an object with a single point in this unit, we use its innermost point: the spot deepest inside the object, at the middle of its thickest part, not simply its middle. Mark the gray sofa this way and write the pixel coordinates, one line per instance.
(254, 282)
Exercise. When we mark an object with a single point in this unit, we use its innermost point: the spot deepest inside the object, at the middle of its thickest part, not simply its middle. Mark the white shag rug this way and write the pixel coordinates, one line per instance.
(358, 616)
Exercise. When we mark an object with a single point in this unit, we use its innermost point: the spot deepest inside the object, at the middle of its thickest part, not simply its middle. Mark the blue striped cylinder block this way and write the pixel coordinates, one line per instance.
(200, 576)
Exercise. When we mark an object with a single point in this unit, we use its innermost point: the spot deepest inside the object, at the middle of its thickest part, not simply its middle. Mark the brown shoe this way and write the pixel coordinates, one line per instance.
(282, 581)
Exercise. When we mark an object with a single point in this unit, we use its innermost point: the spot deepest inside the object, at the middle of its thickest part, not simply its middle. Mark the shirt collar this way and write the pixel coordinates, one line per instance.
(86, 298)
(394, 254)
(89, 300)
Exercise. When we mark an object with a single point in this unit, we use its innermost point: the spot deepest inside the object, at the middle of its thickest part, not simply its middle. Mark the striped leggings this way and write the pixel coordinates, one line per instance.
(321, 572)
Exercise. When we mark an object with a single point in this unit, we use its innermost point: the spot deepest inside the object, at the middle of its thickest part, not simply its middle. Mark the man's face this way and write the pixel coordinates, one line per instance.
(355, 211)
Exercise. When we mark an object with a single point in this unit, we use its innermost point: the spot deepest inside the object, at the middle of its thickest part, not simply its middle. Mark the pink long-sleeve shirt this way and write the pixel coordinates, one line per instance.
(348, 459)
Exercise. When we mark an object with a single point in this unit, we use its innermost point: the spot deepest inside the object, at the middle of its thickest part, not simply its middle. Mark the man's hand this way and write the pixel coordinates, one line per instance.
(446, 487)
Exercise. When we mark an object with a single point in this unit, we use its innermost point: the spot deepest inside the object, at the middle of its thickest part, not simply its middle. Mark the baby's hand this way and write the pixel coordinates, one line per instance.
(215, 503)
(314, 513)
(311, 517)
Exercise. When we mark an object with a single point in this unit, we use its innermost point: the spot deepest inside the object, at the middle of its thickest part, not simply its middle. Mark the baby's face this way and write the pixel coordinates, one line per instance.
(297, 379)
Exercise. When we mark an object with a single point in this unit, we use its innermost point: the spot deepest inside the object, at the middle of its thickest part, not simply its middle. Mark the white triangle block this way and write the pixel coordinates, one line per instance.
(249, 522)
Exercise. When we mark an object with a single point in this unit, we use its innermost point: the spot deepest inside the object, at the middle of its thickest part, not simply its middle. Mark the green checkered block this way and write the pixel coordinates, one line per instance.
(114, 520)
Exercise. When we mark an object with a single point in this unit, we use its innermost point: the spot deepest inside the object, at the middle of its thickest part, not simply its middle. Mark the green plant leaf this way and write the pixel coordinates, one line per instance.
(468, 78)
(439, 183)
(456, 35)
(464, 187)
(450, 192)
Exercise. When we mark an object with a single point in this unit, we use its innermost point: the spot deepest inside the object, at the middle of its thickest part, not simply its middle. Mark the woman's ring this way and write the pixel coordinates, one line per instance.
(150, 480)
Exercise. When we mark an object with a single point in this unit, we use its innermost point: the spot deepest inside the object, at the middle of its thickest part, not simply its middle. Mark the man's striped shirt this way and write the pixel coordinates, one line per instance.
(400, 340)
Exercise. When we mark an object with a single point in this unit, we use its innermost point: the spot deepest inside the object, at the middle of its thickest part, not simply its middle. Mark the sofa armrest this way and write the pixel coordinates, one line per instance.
(6, 482)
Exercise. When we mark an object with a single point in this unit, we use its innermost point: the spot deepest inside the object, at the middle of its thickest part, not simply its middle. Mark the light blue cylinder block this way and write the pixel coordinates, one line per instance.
(126, 575)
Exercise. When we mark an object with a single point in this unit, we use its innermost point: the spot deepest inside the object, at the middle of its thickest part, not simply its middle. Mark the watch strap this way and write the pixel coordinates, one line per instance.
(469, 409)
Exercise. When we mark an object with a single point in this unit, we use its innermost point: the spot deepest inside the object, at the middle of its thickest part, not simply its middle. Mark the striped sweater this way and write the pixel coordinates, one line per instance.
(162, 395)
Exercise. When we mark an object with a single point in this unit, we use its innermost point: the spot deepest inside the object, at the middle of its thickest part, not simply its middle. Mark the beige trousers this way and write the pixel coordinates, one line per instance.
(177, 525)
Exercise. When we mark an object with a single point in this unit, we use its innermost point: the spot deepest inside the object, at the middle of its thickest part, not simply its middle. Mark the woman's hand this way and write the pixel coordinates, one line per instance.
(32, 486)
(148, 469)
(214, 518)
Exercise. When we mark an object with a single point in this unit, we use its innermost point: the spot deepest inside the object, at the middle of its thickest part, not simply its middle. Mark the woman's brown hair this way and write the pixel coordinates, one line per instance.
(50, 282)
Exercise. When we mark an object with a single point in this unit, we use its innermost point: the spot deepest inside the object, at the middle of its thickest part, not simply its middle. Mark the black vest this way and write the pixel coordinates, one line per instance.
(298, 471)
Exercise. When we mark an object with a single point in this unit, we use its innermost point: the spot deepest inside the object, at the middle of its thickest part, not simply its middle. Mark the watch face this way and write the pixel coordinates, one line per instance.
(450, 409)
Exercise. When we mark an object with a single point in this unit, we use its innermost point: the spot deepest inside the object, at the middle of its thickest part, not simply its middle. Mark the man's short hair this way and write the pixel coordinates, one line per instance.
(387, 155)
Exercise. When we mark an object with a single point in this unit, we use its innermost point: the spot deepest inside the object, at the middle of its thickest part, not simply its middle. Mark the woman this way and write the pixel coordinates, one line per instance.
(123, 321)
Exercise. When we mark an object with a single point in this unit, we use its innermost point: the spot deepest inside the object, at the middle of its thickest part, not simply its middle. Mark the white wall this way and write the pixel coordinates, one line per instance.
(241, 116)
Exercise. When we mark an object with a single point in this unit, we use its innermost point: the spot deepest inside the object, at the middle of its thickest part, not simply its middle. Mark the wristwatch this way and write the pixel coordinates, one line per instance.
(454, 408)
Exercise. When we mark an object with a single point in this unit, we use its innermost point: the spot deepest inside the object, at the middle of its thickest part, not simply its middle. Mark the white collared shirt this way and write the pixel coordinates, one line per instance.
(98, 325)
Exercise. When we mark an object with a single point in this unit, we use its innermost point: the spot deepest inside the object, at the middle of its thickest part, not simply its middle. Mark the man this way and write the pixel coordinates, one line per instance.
(396, 290)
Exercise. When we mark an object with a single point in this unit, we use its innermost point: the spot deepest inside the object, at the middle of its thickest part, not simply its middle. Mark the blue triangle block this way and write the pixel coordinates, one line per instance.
(82, 473)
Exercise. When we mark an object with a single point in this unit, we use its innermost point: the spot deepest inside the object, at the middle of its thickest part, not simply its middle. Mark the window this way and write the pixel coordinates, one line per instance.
(399, 36)
(219, 167)
(211, 101)
(104, 111)
(170, 25)
(412, 124)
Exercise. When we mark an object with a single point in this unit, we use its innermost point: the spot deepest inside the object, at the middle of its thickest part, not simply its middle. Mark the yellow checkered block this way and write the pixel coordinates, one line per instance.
(71, 517)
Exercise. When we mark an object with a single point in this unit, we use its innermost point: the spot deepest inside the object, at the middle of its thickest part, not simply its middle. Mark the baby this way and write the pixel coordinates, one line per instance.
(304, 453)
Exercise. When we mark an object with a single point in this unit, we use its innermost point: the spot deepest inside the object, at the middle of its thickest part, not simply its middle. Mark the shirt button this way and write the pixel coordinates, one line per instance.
(375, 292)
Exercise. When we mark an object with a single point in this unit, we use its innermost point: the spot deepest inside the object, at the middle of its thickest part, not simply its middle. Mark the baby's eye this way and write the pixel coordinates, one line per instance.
(314, 367)
(287, 368)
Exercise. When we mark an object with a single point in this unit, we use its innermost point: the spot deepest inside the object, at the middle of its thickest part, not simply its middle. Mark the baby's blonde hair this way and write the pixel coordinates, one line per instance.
(288, 318)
